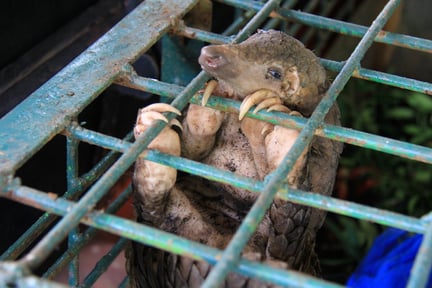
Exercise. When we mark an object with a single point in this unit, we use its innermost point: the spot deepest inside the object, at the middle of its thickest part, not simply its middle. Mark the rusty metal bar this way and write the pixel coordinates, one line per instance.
(163, 240)
(54, 106)
(249, 224)
(336, 66)
(338, 26)
(297, 196)
(55, 97)
(51, 107)
(358, 138)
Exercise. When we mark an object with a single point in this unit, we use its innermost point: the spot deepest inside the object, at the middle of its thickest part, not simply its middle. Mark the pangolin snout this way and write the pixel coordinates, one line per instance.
(211, 59)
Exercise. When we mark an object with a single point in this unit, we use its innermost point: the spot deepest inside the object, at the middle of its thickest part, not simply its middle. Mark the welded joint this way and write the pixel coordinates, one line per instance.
(8, 182)
(427, 218)
(126, 75)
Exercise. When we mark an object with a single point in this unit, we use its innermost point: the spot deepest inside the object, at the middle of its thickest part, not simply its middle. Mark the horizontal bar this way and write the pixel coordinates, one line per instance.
(327, 203)
(162, 21)
(52, 106)
(82, 183)
(355, 30)
(166, 241)
(336, 66)
(383, 78)
(202, 35)
(256, 213)
(85, 237)
(338, 26)
(358, 138)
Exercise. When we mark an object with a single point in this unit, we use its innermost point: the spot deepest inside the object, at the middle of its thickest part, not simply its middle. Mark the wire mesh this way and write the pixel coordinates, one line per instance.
(55, 106)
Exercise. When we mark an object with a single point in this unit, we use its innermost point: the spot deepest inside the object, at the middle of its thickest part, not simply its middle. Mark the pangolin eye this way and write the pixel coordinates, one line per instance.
(274, 73)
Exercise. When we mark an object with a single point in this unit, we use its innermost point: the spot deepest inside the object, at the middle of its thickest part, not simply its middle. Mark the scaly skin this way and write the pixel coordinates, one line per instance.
(273, 71)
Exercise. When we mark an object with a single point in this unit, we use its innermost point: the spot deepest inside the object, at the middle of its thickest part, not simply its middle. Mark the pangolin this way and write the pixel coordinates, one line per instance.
(275, 72)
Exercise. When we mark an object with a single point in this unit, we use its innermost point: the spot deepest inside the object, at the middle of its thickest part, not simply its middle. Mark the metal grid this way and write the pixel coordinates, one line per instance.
(54, 108)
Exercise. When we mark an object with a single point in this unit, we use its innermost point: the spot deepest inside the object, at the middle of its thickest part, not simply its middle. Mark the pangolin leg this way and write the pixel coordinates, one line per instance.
(153, 181)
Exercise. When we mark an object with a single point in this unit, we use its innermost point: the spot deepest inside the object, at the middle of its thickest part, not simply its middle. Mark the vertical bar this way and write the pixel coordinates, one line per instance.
(71, 178)
(124, 283)
(232, 253)
(254, 23)
(86, 236)
(27, 238)
(152, 26)
(272, 23)
(103, 264)
(423, 262)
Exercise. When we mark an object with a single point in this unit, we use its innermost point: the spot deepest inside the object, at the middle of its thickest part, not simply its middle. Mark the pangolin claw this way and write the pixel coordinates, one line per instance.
(251, 100)
(161, 107)
(280, 108)
(269, 102)
(211, 86)
(149, 114)
(265, 99)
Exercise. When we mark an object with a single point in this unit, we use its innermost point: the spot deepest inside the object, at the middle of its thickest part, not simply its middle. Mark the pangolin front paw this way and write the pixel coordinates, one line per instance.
(200, 126)
(270, 143)
(153, 181)
(151, 113)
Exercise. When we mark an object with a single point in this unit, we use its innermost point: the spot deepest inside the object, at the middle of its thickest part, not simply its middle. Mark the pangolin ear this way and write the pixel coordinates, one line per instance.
(291, 82)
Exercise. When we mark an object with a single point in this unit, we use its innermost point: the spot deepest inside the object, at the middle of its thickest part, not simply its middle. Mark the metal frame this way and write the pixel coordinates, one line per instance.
(54, 107)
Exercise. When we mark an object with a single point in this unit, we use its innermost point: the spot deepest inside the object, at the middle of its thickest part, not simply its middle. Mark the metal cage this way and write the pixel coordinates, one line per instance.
(53, 110)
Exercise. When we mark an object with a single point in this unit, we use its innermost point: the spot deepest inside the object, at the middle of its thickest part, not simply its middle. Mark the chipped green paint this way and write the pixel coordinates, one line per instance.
(50, 108)
(54, 106)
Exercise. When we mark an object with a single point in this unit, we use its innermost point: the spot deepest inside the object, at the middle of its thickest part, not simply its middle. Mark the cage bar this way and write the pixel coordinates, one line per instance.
(54, 108)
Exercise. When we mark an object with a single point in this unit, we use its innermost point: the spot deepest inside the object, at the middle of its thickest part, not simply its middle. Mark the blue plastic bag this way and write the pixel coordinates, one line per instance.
(389, 261)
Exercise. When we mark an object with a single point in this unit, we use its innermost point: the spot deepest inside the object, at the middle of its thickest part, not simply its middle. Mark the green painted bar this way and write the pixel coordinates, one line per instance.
(341, 27)
(85, 237)
(249, 224)
(51, 107)
(301, 197)
(239, 22)
(102, 265)
(27, 238)
(358, 138)
(205, 36)
(383, 78)
(71, 179)
(355, 30)
(163, 240)
(422, 267)
(256, 20)
(151, 27)
(124, 283)
(56, 103)
(362, 73)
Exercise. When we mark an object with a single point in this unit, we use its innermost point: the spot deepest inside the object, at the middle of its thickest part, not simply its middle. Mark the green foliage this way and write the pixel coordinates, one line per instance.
(402, 185)
(374, 178)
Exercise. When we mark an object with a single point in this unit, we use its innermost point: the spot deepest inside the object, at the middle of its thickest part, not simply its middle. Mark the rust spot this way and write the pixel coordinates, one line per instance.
(382, 34)
(52, 195)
